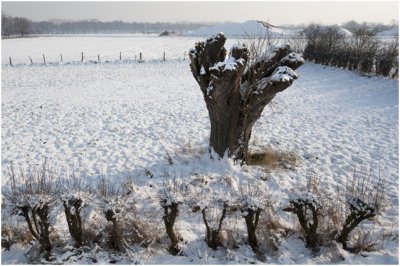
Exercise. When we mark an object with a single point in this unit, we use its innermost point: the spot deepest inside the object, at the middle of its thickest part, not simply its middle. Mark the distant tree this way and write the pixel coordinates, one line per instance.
(95, 26)
(313, 34)
(22, 26)
(363, 49)
(6, 25)
(329, 46)
(236, 89)
(387, 59)
(354, 26)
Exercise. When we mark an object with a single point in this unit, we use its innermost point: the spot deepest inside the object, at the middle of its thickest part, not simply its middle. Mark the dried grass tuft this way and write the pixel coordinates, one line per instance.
(273, 159)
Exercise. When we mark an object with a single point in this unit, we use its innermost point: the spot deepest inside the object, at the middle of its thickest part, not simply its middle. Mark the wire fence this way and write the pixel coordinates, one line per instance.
(127, 55)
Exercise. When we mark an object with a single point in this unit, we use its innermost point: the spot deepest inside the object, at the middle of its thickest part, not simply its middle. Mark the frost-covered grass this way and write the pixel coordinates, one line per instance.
(121, 119)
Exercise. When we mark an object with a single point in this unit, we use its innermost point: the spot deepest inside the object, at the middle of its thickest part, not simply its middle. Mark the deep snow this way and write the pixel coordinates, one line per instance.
(121, 118)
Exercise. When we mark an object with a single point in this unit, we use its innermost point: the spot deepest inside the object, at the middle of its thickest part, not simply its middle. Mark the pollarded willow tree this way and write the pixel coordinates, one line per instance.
(236, 89)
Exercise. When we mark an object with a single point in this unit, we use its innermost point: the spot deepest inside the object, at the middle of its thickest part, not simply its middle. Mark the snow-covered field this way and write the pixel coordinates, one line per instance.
(107, 46)
(122, 118)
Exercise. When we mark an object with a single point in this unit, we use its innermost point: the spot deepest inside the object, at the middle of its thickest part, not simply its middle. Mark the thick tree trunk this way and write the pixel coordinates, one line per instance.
(236, 90)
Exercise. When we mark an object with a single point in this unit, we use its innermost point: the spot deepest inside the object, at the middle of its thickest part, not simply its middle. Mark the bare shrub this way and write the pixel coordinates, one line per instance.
(363, 241)
(270, 231)
(13, 234)
(306, 207)
(387, 235)
(365, 198)
(213, 232)
(32, 195)
(358, 212)
(327, 216)
(330, 213)
(212, 197)
(254, 199)
(115, 203)
(141, 232)
(74, 199)
(171, 198)
(72, 209)
(387, 59)
(361, 51)
(230, 238)
(364, 47)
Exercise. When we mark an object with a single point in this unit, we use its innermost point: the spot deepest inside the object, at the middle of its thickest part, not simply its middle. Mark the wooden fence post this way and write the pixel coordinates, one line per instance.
(140, 56)
(44, 59)
(120, 55)
(82, 57)
(31, 60)
(164, 56)
(98, 58)
(11, 62)
(61, 58)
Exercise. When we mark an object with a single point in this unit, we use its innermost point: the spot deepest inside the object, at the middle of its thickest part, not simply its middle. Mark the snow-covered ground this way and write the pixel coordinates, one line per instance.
(107, 46)
(248, 28)
(122, 118)
(392, 32)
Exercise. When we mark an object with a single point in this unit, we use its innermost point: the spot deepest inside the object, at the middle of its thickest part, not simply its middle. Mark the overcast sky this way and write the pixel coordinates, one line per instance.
(274, 12)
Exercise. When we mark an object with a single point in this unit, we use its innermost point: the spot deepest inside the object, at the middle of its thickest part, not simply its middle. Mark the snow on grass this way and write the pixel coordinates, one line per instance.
(121, 119)
(107, 46)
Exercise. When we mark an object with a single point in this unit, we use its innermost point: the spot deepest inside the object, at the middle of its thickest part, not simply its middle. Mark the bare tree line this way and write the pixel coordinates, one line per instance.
(353, 26)
(12, 26)
(362, 51)
(15, 26)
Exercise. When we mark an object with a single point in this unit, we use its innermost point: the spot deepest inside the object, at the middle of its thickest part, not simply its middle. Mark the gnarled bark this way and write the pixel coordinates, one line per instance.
(359, 211)
(170, 213)
(115, 238)
(252, 218)
(236, 91)
(72, 208)
(307, 213)
(213, 235)
(37, 218)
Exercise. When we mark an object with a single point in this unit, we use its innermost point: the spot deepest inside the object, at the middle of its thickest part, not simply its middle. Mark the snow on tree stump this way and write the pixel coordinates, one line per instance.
(237, 89)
